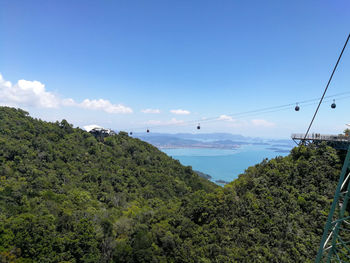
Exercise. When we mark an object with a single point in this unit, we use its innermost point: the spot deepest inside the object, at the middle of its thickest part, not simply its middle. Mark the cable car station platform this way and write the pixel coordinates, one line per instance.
(339, 142)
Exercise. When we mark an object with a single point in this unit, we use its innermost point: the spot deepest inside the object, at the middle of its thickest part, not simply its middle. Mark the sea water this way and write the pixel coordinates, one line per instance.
(223, 164)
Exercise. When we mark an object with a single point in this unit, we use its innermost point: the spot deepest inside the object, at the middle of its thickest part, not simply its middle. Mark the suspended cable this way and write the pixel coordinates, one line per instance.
(281, 109)
(272, 109)
(240, 115)
(324, 93)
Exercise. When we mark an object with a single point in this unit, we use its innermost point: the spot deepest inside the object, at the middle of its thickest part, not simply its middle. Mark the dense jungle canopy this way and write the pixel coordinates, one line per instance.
(66, 196)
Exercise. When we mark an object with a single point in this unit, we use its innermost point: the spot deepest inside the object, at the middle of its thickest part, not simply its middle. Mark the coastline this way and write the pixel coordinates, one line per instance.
(223, 165)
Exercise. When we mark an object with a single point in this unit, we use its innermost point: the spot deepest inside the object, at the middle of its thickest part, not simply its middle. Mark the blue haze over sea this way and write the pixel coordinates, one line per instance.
(223, 164)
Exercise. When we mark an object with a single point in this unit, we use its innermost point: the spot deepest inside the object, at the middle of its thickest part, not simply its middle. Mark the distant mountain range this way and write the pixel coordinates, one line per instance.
(210, 140)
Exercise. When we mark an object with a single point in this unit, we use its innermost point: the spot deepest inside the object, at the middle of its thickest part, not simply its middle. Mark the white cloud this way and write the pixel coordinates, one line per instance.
(225, 118)
(33, 93)
(68, 102)
(262, 123)
(26, 93)
(154, 111)
(180, 112)
(104, 105)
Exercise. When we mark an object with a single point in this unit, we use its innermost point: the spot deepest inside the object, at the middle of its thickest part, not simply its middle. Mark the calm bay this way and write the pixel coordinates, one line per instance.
(223, 164)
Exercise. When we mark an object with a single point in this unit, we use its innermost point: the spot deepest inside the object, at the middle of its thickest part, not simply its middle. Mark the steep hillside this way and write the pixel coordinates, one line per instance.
(274, 212)
(66, 197)
(60, 187)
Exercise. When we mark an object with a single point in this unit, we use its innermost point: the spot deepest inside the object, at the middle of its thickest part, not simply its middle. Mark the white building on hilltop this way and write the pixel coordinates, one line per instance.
(99, 131)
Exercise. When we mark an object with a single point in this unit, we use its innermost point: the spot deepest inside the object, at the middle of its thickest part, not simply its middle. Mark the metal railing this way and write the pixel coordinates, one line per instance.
(321, 137)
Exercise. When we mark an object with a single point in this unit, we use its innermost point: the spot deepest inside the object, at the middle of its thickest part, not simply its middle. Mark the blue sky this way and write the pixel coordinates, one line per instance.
(104, 62)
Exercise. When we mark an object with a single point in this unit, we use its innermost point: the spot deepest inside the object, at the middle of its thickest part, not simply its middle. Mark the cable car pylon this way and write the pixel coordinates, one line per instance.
(335, 247)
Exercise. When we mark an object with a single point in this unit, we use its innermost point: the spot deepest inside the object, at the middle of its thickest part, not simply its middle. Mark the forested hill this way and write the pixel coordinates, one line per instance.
(67, 197)
(62, 190)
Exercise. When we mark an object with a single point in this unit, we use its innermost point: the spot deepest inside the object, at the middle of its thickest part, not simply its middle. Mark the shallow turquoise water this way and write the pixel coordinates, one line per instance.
(223, 164)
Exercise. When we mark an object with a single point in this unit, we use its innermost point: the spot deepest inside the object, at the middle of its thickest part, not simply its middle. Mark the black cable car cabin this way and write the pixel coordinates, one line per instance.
(333, 106)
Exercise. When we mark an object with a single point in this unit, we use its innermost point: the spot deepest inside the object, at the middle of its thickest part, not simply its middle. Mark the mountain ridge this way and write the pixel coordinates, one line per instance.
(67, 197)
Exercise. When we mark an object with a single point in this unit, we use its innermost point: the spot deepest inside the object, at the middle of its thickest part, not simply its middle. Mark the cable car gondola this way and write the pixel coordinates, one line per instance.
(198, 126)
(147, 130)
(297, 108)
(130, 133)
(333, 106)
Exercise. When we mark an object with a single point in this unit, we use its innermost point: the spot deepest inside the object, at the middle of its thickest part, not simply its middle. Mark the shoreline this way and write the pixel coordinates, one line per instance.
(229, 165)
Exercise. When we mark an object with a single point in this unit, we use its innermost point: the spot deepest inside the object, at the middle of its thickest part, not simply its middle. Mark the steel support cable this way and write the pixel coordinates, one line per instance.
(324, 93)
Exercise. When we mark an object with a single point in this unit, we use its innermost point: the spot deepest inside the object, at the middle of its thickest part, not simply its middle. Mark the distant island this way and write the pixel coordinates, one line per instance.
(210, 141)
